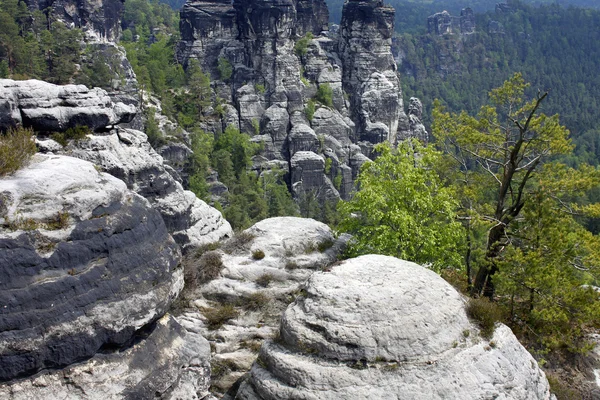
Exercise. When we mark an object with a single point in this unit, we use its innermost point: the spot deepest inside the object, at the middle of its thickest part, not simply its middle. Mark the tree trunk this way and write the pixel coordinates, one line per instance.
(484, 284)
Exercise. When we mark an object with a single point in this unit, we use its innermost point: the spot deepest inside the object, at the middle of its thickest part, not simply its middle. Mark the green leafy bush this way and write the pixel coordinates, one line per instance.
(75, 133)
(225, 69)
(325, 95)
(486, 314)
(309, 111)
(301, 46)
(16, 149)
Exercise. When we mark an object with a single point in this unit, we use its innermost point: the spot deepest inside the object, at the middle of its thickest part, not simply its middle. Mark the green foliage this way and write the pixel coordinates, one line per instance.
(309, 111)
(301, 46)
(30, 47)
(217, 316)
(524, 214)
(199, 86)
(564, 64)
(402, 209)
(155, 137)
(260, 88)
(225, 69)
(486, 314)
(76, 133)
(16, 149)
(325, 95)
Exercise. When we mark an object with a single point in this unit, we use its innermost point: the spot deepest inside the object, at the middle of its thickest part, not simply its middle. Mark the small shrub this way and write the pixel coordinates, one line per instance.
(304, 81)
(309, 111)
(24, 224)
(325, 95)
(291, 265)
(240, 242)
(16, 149)
(310, 247)
(225, 69)
(264, 280)
(260, 88)
(206, 248)
(256, 126)
(75, 133)
(252, 345)
(220, 368)
(301, 46)
(256, 301)
(217, 316)
(324, 245)
(201, 270)
(59, 221)
(258, 254)
(486, 314)
(337, 181)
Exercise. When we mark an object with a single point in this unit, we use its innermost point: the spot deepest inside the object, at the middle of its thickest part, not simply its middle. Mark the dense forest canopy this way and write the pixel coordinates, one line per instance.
(412, 14)
(557, 49)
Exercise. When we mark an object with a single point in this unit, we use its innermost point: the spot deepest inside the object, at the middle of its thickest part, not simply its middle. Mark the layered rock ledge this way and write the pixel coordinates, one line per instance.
(377, 327)
(85, 264)
(48, 107)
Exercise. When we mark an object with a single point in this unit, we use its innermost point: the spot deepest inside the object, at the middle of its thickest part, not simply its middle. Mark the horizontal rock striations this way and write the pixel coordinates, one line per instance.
(127, 155)
(376, 327)
(85, 264)
(47, 107)
(169, 364)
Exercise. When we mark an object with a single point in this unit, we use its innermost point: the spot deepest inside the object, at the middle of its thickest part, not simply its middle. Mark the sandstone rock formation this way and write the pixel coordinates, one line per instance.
(98, 19)
(169, 364)
(127, 155)
(377, 327)
(280, 54)
(86, 263)
(47, 107)
(260, 288)
(443, 23)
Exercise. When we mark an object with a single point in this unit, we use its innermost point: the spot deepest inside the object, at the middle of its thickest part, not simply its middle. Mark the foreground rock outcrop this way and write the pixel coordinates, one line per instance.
(261, 271)
(127, 155)
(85, 262)
(377, 327)
(170, 363)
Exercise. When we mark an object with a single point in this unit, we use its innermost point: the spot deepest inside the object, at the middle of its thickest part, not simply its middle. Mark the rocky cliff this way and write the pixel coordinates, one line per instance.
(282, 56)
(90, 249)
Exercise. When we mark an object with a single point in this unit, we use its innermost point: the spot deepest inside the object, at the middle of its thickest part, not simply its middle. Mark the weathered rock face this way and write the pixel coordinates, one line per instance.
(100, 19)
(127, 155)
(86, 263)
(276, 69)
(47, 107)
(443, 23)
(170, 363)
(369, 70)
(377, 327)
(261, 289)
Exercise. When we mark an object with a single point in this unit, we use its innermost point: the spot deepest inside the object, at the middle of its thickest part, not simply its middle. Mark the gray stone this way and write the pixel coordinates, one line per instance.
(377, 327)
(170, 363)
(126, 154)
(47, 107)
(98, 266)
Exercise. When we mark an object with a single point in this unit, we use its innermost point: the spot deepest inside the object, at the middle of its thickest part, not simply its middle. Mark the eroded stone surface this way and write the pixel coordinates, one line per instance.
(85, 264)
(47, 107)
(377, 327)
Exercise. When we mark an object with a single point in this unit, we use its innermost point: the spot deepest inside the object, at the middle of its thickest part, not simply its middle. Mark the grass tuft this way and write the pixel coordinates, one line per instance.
(16, 149)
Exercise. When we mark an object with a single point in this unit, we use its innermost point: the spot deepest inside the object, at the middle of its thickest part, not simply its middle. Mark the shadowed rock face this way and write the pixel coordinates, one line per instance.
(170, 363)
(100, 19)
(95, 265)
(376, 327)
